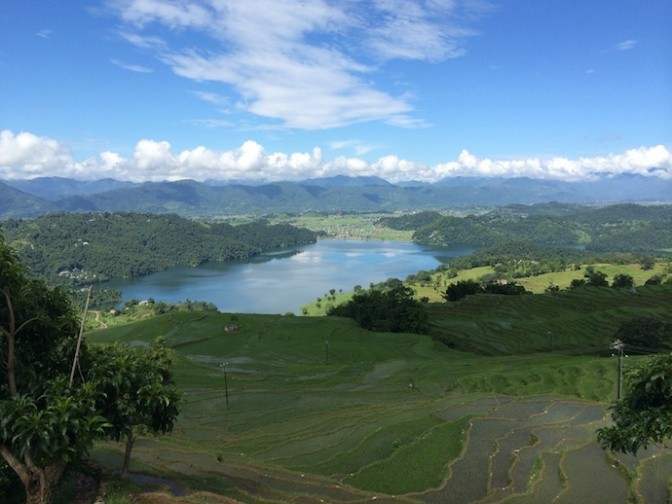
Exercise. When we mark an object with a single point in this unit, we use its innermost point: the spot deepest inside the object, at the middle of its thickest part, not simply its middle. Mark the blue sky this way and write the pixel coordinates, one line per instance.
(292, 89)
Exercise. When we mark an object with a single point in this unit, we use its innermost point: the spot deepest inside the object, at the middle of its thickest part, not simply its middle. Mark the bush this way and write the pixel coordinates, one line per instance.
(623, 281)
(654, 280)
(388, 307)
(595, 278)
(461, 289)
(646, 331)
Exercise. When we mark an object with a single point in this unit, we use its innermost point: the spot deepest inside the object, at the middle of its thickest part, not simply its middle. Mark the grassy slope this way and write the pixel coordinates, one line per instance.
(435, 289)
(389, 414)
(577, 321)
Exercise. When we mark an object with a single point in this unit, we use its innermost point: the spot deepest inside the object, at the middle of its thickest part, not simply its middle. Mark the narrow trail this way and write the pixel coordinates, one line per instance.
(98, 318)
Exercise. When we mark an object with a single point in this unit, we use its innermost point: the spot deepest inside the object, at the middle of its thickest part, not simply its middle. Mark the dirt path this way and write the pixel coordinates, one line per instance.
(98, 318)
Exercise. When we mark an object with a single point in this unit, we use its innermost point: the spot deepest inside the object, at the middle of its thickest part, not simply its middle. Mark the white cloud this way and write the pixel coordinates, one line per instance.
(625, 45)
(645, 161)
(292, 62)
(361, 148)
(419, 30)
(169, 12)
(25, 155)
(213, 98)
(131, 67)
(149, 42)
(210, 123)
(30, 155)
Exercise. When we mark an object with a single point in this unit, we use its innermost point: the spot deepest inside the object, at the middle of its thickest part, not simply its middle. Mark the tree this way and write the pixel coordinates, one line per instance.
(595, 278)
(654, 280)
(644, 415)
(389, 306)
(645, 331)
(45, 421)
(138, 391)
(576, 283)
(623, 281)
(461, 289)
(506, 289)
(647, 263)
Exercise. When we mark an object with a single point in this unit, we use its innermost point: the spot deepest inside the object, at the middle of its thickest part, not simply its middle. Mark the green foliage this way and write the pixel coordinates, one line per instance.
(463, 288)
(595, 278)
(138, 392)
(618, 228)
(644, 415)
(410, 222)
(577, 320)
(623, 281)
(515, 260)
(294, 420)
(654, 280)
(57, 424)
(48, 421)
(649, 332)
(647, 262)
(137, 388)
(45, 422)
(387, 307)
(577, 283)
(504, 288)
(80, 249)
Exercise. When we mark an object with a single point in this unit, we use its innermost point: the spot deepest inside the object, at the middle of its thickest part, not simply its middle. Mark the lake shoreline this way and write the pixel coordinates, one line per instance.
(284, 280)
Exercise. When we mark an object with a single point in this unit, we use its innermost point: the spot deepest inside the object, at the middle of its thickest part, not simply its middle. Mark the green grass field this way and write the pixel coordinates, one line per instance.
(436, 288)
(322, 411)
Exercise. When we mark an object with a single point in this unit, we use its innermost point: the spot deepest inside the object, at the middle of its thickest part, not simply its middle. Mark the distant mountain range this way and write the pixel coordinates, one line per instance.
(29, 198)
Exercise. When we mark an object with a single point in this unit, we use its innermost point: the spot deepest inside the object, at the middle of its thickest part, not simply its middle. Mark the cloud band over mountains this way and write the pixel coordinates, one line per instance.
(26, 156)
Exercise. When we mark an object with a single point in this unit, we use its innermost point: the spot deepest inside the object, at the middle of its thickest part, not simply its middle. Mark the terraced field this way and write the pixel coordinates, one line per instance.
(395, 418)
(579, 321)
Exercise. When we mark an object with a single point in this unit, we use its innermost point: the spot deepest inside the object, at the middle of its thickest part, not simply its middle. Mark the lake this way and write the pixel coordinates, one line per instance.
(282, 282)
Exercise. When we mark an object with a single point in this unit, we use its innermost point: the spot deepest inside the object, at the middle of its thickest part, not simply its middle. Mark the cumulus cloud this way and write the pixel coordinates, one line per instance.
(300, 63)
(645, 161)
(31, 155)
(25, 155)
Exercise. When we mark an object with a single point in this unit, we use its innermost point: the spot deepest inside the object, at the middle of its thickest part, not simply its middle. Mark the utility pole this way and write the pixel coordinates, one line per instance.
(75, 361)
(226, 385)
(620, 346)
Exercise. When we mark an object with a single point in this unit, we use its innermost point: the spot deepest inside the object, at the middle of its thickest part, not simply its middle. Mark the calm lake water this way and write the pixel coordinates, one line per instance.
(283, 282)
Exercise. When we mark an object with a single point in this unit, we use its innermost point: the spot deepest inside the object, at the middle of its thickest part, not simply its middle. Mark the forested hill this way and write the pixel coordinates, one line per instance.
(132, 244)
(616, 228)
(28, 198)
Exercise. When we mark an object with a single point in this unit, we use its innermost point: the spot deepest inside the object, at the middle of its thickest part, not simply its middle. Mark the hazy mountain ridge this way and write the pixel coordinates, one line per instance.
(56, 188)
(15, 203)
(28, 198)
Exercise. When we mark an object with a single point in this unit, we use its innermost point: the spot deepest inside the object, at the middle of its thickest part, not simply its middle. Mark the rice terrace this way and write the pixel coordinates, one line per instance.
(335, 251)
(315, 409)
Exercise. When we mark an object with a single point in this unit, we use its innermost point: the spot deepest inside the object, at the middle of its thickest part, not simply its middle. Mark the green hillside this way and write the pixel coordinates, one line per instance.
(18, 204)
(320, 410)
(627, 228)
(104, 245)
(577, 321)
